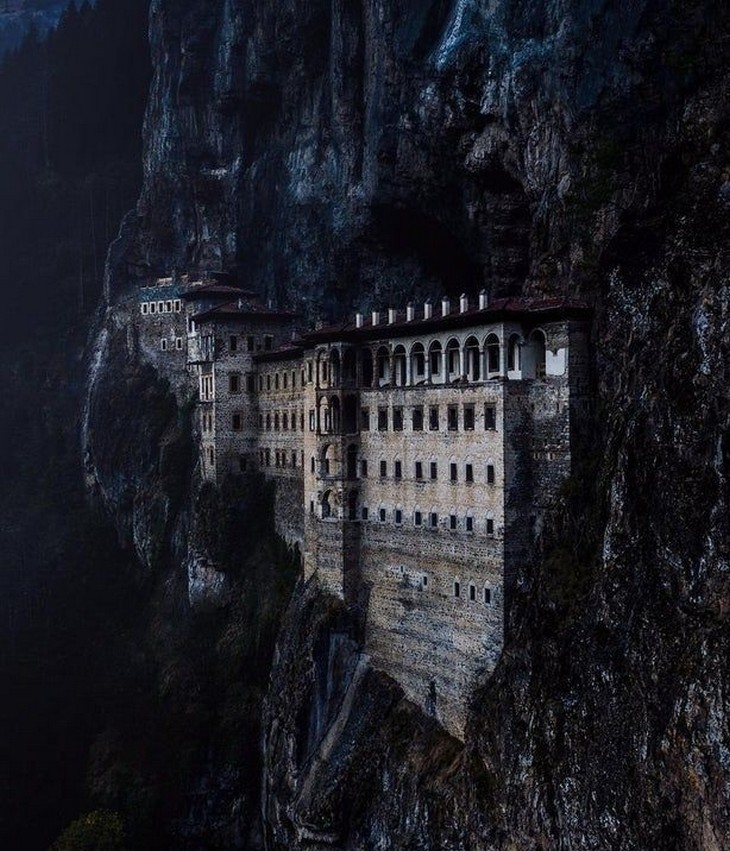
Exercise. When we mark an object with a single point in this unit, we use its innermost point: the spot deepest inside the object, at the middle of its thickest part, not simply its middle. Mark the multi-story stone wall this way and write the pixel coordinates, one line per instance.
(280, 445)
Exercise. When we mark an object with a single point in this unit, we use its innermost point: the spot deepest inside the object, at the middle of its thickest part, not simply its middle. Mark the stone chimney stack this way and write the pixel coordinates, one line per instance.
(392, 313)
(359, 318)
(427, 310)
(445, 306)
(376, 317)
(463, 303)
(410, 313)
(483, 300)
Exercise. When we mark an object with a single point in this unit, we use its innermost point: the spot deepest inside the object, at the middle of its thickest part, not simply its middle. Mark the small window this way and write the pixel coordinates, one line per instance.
(249, 383)
(419, 470)
(454, 472)
(261, 382)
(457, 589)
(417, 419)
(382, 419)
(313, 464)
(490, 418)
(382, 515)
(468, 417)
(163, 344)
(487, 596)
(424, 581)
(285, 422)
(285, 378)
(268, 382)
(363, 469)
(490, 526)
(472, 592)
(268, 422)
(434, 471)
(312, 420)
(145, 308)
(364, 512)
(398, 517)
(294, 458)
(276, 381)
(311, 506)
(178, 305)
(277, 458)
(417, 518)
(398, 419)
(211, 456)
(383, 469)
(168, 307)
(234, 382)
(452, 522)
(268, 342)
(268, 457)
(398, 471)
(237, 422)
(250, 344)
(452, 413)
(310, 371)
(433, 520)
(160, 306)
(261, 421)
(490, 474)
(153, 307)
(179, 343)
(365, 419)
(233, 343)
(433, 418)
(469, 474)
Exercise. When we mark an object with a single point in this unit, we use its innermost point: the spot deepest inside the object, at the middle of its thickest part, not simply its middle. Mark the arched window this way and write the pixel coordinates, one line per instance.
(493, 356)
(383, 366)
(513, 353)
(335, 374)
(435, 362)
(328, 461)
(366, 367)
(473, 359)
(453, 359)
(352, 461)
(349, 365)
(418, 364)
(326, 505)
(352, 505)
(399, 366)
(335, 414)
(533, 360)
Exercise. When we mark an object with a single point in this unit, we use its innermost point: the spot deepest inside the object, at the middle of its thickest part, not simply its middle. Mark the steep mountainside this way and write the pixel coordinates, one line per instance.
(346, 153)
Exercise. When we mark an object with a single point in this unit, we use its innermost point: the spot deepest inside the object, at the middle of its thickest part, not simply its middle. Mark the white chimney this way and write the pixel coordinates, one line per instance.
(391, 315)
(410, 313)
(445, 306)
(427, 310)
(359, 318)
(463, 303)
(483, 300)
(376, 317)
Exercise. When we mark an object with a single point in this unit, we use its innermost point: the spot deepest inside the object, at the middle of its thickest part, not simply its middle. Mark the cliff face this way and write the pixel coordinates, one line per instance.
(340, 154)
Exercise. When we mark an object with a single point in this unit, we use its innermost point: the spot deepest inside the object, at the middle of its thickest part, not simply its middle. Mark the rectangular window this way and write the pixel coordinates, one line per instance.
(468, 417)
(286, 380)
(277, 458)
(178, 306)
(452, 522)
(312, 421)
(311, 506)
(382, 419)
(179, 343)
(285, 422)
(294, 459)
(363, 469)
(490, 526)
(469, 472)
(398, 472)
(364, 512)
(453, 417)
(249, 383)
(383, 469)
(434, 471)
(490, 418)
(419, 470)
(268, 457)
(168, 307)
(237, 422)
(454, 474)
(312, 464)
(433, 520)
(457, 589)
(487, 596)
(276, 421)
(382, 515)
(398, 419)
(268, 382)
(145, 308)
(268, 342)
(365, 419)
(163, 345)
(417, 518)
(234, 382)
(490, 474)
(417, 419)
(310, 371)
(233, 343)
(469, 524)
(398, 517)
(160, 306)
(261, 382)
(472, 592)
(261, 421)
(153, 307)
(268, 422)
(250, 344)
(433, 418)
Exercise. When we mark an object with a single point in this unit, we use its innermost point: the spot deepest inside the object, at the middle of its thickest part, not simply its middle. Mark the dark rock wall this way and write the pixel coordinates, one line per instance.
(357, 153)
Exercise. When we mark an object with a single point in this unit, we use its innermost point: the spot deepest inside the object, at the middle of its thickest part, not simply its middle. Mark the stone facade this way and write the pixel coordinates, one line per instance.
(413, 458)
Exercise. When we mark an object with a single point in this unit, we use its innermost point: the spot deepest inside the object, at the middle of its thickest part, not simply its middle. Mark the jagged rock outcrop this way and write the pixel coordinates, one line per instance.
(339, 153)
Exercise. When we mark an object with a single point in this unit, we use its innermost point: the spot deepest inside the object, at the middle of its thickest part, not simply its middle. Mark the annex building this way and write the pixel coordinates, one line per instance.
(414, 453)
